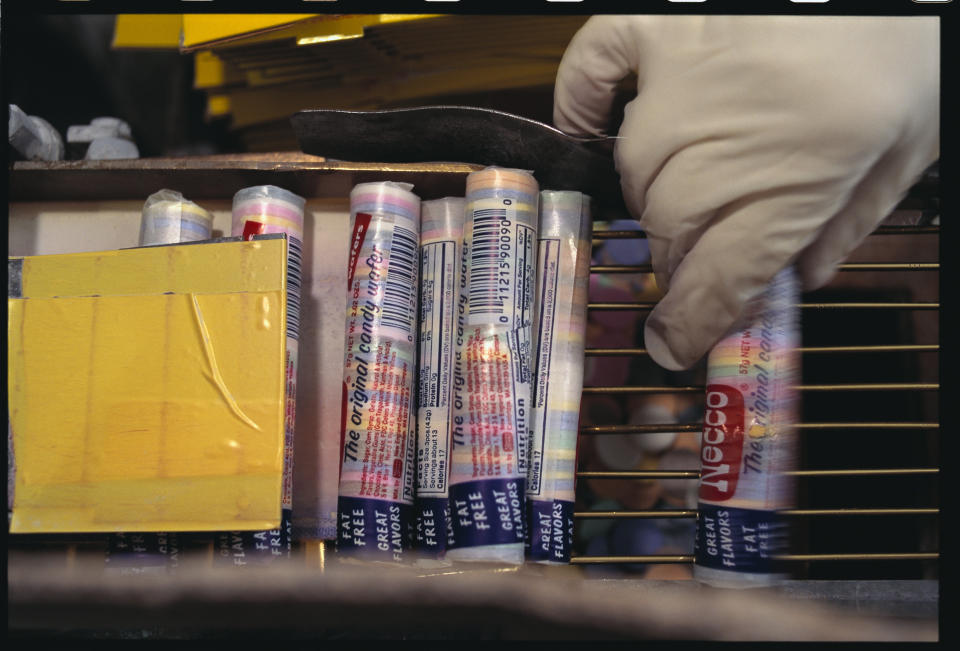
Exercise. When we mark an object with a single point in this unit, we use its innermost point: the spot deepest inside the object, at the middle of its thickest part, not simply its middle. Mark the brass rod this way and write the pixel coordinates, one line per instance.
(641, 429)
(695, 474)
(867, 425)
(660, 389)
(614, 352)
(891, 386)
(618, 235)
(692, 513)
(621, 269)
(851, 266)
(600, 560)
(621, 306)
(903, 348)
(870, 306)
(907, 230)
(664, 513)
(696, 427)
(882, 230)
(863, 472)
(649, 305)
(915, 556)
(639, 474)
(848, 511)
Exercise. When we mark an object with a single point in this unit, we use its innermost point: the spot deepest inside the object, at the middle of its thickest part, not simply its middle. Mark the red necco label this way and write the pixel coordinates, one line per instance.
(722, 448)
(361, 225)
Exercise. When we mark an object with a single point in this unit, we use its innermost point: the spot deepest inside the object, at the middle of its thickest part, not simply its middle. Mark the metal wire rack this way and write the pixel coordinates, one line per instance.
(886, 273)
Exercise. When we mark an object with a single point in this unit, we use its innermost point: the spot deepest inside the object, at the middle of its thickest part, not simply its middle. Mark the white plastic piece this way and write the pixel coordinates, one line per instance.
(33, 137)
(111, 149)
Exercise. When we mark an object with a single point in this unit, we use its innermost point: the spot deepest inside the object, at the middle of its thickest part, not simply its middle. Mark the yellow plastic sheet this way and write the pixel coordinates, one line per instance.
(148, 31)
(146, 389)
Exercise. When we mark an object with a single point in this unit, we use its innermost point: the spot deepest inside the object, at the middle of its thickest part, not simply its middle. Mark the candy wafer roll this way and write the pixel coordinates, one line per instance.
(260, 210)
(563, 278)
(441, 244)
(142, 553)
(378, 432)
(492, 367)
(168, 218)
(748, 443)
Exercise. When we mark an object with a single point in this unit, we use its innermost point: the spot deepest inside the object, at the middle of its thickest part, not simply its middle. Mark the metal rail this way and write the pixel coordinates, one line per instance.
(891, 305)
(882, 230)
(806, 350)
(610, 560)
(655, 428)
(695, 474)
(888, 386)
(852, 266)
(692, 513)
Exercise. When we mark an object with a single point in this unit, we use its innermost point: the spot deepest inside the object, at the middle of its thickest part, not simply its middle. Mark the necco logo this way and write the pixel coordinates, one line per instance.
(722, 447)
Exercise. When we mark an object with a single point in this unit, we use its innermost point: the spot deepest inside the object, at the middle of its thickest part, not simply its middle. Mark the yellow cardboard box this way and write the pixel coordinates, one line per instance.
(146, 388)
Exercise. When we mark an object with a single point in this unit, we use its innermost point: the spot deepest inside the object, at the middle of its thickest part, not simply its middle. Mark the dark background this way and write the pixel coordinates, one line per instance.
(62, 68)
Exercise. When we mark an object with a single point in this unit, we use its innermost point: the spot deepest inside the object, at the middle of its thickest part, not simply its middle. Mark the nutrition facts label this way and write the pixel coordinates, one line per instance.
(379, 366)
(548, 267)
(437, 309)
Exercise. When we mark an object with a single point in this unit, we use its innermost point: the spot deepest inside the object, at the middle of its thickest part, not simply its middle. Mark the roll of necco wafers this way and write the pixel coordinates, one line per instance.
(492, 364)
(142, 553)
(441, 244)
(559, 327)
(378, 426)
(748, 443)
(260, 210)
(168, 218)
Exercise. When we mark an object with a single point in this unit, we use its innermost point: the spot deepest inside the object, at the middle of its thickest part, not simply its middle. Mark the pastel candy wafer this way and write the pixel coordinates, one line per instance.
(378, 432)
(563, 272)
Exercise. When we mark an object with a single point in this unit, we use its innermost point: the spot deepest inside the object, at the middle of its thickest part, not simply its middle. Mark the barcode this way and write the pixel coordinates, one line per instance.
(487, 292)
(399, 297)
(294, 259)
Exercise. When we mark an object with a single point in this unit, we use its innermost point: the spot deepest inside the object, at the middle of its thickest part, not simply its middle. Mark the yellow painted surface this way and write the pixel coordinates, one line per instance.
(218, 106)
(208, 70)
(217, 30)
(146, 389)
(210, 28)
(147, 31)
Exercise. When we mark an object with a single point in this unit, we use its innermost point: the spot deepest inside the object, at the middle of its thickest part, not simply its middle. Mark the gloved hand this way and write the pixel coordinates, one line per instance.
(754, 142)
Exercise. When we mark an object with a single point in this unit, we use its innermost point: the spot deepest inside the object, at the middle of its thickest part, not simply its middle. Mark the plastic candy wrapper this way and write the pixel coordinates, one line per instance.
(378, 426)
(560, 320)
(168, 218)
(260, 210)
(492, 400)
(441, 244)
(748, 444)
(143, 553)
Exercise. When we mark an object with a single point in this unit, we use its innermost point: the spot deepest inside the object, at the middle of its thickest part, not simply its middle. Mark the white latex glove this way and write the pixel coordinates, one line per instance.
(754, 142)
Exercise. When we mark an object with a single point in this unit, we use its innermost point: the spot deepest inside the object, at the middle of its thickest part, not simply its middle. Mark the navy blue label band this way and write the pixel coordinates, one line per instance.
(550, 530)
(143, 552)
(241, 548)
(433, 513)
(487, 512)
(739, 540)
(374, 529)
